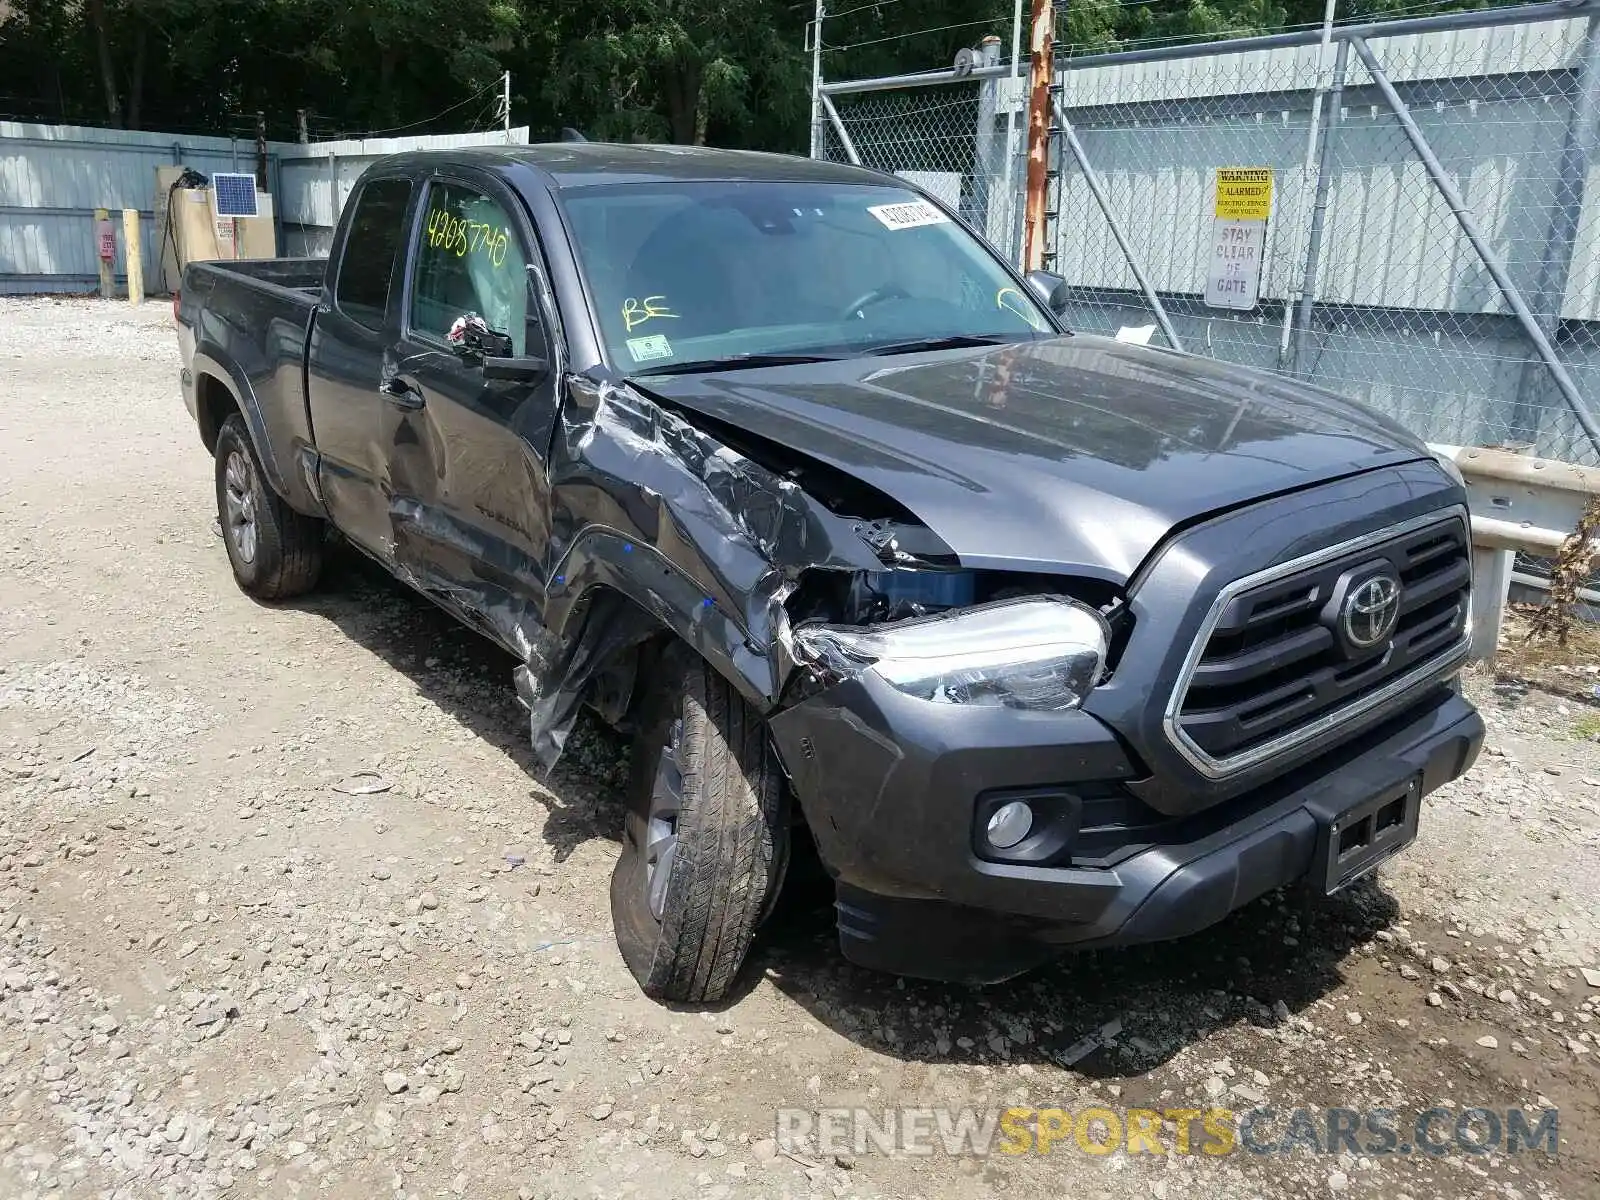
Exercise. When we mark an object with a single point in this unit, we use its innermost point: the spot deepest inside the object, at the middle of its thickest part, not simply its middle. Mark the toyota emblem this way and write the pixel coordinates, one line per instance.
(1371, 610)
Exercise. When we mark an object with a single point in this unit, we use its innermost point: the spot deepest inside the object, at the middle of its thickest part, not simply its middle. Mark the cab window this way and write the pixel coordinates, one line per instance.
(377, 231)
(469, 260)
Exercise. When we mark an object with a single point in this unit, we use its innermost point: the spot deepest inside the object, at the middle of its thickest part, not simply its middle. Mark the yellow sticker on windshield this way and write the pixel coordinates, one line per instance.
(1014, 301)
(636, 312)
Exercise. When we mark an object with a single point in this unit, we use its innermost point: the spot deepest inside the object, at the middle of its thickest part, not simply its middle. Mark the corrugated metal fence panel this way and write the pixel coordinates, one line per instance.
(1162, 175)
(1502, 50)
(1156, 132)
(52, 177)
(316, 180)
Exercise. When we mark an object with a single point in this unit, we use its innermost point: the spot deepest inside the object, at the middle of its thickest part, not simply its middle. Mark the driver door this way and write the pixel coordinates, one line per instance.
(467, 456)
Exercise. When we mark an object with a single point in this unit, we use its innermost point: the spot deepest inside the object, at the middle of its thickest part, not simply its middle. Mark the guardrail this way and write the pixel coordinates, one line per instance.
(1518, 503)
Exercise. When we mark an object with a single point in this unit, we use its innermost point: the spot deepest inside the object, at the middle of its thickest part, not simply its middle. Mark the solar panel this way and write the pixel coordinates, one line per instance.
(234, 195)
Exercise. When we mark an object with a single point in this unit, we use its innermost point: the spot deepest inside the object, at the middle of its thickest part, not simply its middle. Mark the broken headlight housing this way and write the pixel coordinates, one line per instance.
(1041, 653)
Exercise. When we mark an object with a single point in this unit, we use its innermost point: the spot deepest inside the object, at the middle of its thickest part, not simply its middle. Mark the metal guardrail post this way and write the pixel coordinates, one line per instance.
(1319, 210)
(1469, 226)
(1092, 178)
(1491, 589)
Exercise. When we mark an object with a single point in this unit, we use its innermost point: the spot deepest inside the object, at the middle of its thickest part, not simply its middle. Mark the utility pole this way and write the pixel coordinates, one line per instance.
(261, 151)
(505, 104)
(301, 126)
(1041, 67)
(816, 80)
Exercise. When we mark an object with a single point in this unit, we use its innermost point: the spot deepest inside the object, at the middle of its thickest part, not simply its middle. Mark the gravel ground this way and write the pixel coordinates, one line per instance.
(229, 967)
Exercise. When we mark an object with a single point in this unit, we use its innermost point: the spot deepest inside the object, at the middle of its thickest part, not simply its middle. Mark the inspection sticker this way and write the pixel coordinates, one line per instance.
(646, 348)
(909, 215)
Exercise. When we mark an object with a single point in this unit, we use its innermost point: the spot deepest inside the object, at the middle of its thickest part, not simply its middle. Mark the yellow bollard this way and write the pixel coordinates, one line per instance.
(132, 250)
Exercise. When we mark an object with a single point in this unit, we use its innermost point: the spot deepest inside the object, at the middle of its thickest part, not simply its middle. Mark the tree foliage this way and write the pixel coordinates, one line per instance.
(732, 72)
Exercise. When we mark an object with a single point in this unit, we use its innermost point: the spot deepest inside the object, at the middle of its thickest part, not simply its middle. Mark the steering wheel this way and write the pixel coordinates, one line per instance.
(888, 291)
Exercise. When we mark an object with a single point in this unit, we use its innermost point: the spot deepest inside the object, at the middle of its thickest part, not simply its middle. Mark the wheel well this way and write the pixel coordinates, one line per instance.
(623, 678)
(214, 403)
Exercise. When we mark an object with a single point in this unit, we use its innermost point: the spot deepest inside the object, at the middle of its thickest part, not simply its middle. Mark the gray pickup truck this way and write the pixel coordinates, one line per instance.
(1042, 640)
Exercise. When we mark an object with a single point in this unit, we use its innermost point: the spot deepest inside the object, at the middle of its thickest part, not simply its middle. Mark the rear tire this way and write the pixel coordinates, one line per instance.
(706, 836)
(275, 552)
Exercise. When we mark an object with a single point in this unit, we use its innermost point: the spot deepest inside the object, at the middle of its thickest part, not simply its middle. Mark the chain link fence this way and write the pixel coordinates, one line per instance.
(1431, 244)
(954, 140)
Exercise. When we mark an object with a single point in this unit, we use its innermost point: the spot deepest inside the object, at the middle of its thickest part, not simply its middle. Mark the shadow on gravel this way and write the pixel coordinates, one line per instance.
(1282, 952)
(470, 678)
(1280, 949)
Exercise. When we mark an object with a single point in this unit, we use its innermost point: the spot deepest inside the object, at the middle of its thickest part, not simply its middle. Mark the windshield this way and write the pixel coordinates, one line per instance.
(683, 273)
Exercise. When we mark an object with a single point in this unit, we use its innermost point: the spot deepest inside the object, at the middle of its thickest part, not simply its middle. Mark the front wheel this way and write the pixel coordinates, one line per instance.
(705, 840)
(275, 551)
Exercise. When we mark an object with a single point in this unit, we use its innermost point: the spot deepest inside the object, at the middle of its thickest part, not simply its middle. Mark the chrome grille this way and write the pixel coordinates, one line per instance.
(1271, 669)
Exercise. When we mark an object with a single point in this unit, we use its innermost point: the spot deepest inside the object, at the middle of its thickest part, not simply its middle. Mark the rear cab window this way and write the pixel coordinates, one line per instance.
(469, 261)
(371, 247)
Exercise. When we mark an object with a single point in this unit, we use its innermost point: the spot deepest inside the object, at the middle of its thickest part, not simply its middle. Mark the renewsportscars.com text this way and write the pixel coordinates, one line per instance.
(1212, 1132)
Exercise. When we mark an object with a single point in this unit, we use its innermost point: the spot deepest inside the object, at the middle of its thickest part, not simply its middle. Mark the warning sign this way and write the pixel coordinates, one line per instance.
(1238, 236)
(1234, 279)
(1244, 193)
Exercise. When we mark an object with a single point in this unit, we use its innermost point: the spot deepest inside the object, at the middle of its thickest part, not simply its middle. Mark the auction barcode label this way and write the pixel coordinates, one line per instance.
(908, 215)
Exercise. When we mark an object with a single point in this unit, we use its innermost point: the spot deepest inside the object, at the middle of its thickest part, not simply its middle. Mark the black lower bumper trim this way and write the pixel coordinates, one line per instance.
(1162, 893)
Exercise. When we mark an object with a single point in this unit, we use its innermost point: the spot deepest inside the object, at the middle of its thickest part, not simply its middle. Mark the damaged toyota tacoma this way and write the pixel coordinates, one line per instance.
(1042, 640)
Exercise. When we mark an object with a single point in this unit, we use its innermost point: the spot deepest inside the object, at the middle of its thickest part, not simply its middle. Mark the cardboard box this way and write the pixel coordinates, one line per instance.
(199, 235)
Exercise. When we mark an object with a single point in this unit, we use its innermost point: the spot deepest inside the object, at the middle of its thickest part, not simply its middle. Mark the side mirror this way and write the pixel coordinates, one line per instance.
(522, 370)
(479, 342)
(1052, 289)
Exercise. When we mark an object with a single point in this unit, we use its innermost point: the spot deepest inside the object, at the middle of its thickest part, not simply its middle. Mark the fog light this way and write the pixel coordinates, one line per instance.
(1009, 824)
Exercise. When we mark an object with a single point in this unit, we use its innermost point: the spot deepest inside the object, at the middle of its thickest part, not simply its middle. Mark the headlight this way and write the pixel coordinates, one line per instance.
(1042, 653)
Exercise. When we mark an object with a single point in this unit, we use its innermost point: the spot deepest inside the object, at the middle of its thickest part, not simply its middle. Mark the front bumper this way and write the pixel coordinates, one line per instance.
(890, 787)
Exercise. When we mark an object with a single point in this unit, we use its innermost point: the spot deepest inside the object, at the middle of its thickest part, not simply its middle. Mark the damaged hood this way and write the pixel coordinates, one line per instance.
(1077, 454)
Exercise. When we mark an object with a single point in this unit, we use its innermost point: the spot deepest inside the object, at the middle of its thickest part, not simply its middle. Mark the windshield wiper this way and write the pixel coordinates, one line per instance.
(954, 341)
(735, 362)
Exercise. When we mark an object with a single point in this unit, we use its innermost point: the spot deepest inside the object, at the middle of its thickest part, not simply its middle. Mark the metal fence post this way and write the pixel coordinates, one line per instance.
(1319, 210)
(1491, 260)
(1555, 267)
(333, 198)
(986, 169)
(816, 80)
(1092, 178)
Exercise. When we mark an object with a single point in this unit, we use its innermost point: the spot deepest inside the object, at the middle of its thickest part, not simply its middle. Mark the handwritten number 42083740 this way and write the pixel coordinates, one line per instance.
(467, 237)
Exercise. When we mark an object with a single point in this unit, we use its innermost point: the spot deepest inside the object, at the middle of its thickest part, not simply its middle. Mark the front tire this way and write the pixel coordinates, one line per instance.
(706, 837)
(275, 552)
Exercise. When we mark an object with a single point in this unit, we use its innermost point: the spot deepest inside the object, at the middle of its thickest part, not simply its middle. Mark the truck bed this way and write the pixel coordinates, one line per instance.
(248, 322)
(302, 275)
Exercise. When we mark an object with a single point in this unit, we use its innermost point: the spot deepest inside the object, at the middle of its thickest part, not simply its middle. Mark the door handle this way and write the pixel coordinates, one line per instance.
(403, 393)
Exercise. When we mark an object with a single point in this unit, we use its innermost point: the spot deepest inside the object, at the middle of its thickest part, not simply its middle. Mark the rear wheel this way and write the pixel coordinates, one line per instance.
(275, 552)
(705, 840)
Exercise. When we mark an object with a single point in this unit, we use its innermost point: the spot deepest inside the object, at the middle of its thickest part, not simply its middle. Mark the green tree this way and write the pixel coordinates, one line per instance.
(675, 69)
